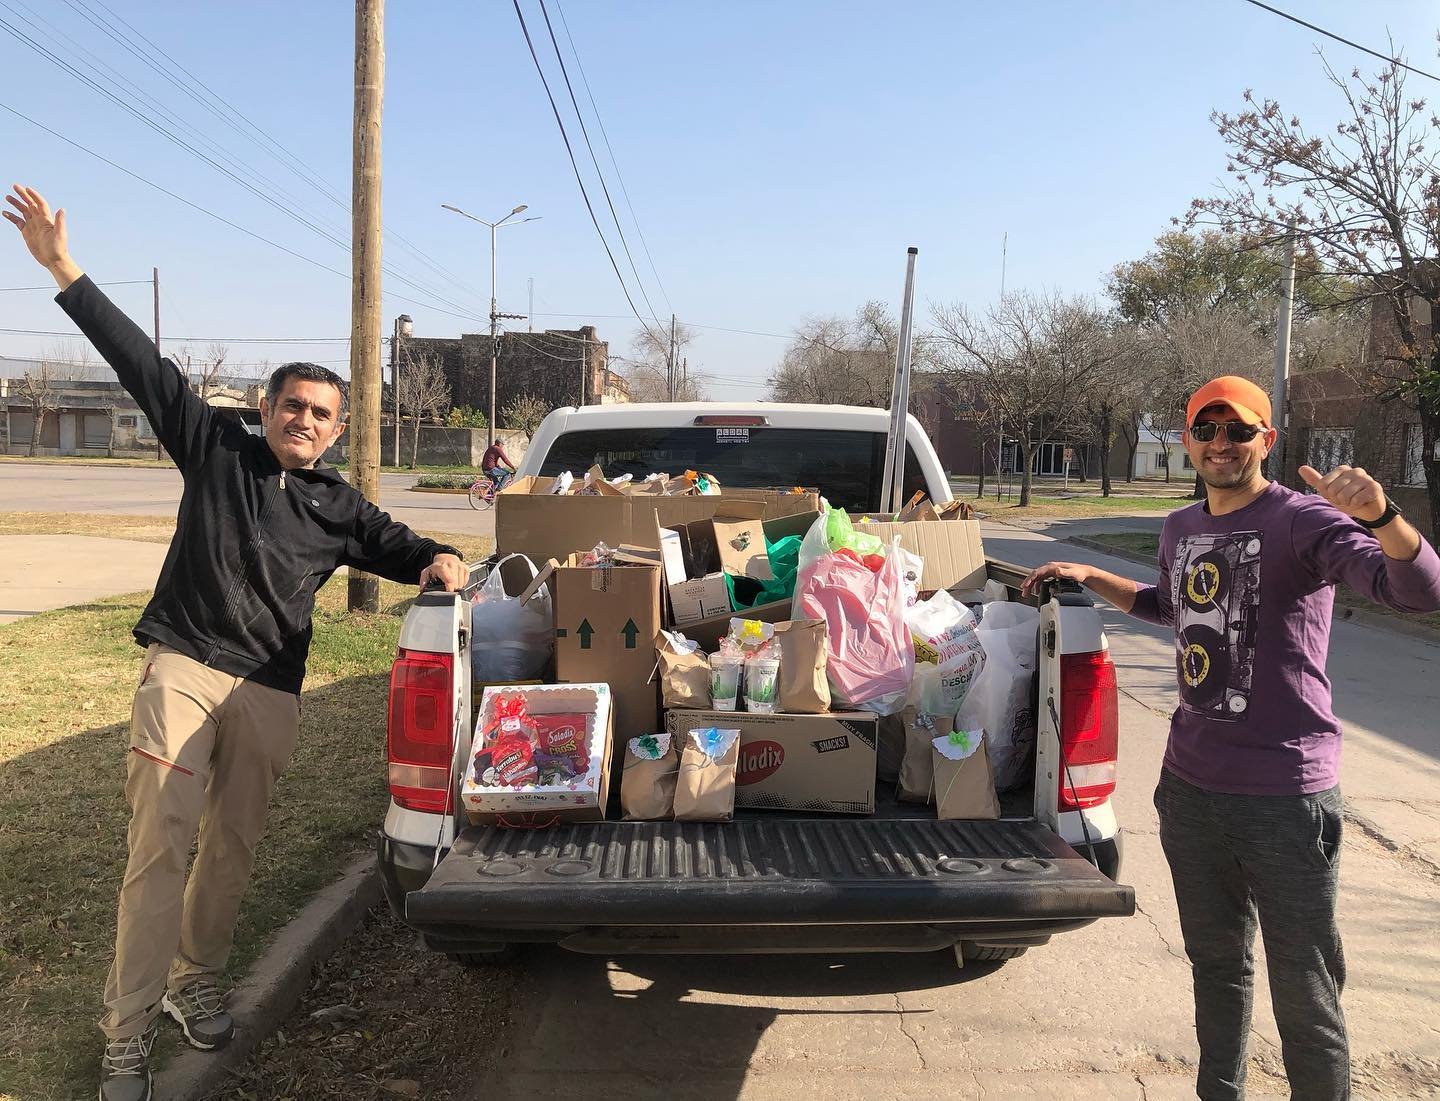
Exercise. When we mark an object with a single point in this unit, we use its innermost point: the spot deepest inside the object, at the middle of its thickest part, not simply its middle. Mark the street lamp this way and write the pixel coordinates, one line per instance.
(403, 328)
(494, 316)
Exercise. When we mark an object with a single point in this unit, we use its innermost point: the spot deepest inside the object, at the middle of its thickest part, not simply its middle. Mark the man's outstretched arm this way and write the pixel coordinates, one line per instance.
(1112, 588)
(181, 420)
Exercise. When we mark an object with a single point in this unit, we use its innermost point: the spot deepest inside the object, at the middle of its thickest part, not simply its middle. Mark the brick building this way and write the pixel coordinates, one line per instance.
(559, 366)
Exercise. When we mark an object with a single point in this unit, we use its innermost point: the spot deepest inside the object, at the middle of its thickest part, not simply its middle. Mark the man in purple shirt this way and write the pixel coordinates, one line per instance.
(1249, 802)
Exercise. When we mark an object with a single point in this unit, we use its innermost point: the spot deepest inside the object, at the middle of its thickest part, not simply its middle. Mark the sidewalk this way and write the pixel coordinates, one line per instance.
(40, 572)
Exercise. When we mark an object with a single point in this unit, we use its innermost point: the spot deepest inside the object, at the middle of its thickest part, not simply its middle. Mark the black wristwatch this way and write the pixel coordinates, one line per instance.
(1392, 510)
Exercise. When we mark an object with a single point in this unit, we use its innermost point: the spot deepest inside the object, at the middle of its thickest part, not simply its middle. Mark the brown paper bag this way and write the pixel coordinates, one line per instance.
(684, 677)
(705, 791)
(647, 786)
(804, 655)
(964, 783)
(917, 773)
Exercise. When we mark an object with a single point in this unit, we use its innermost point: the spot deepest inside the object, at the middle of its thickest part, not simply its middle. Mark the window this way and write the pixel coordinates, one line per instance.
(844, 466)
(125, 421)
(1187, 464)
(1414, 455)
(1329, 448)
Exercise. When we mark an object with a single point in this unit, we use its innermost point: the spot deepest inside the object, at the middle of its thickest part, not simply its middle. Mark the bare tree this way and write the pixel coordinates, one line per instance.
(424, 392)
(1033, 358)
(212, 367)
(525, 413)
(646, 370)
(1366, 196)
(849, 361)
(37, 387)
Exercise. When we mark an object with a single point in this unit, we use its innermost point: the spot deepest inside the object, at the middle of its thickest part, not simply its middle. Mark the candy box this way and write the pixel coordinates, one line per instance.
(541, 754)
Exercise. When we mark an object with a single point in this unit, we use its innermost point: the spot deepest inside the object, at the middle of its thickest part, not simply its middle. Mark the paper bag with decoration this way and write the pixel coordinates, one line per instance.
(964, 784)
(684, 672)
(917, 773)
(705, 791)
(647, 786)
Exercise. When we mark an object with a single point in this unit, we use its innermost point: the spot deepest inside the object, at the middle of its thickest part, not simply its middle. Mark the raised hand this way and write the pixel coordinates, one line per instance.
(1349, 489)
(44, 233)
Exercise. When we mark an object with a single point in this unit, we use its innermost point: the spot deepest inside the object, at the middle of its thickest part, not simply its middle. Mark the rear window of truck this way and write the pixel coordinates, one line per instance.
(844, 466)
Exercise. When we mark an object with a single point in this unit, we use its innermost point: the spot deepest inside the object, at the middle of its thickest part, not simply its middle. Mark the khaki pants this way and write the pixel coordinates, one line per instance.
(205, 750)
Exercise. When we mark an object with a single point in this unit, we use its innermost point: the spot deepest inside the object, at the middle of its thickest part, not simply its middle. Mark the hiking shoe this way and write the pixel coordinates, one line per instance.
(125, 1068)
(199, 1009)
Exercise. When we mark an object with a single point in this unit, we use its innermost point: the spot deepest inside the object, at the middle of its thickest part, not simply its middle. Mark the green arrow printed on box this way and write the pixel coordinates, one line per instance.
(585, 631)
(631, 633)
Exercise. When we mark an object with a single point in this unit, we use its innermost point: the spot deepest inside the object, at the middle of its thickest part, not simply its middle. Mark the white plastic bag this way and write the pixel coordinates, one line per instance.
(999, 699)
(947, 635)
(510, 641)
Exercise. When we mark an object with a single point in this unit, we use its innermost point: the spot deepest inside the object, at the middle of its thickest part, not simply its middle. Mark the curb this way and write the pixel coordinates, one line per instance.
(1360, 616)
(272, 988)
(439, 489)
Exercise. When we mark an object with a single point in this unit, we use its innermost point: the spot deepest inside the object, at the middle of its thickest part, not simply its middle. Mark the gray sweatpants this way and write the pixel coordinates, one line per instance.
(1236, 860)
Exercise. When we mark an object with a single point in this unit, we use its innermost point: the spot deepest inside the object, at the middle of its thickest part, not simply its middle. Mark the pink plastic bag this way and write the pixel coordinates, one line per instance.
(872, 656)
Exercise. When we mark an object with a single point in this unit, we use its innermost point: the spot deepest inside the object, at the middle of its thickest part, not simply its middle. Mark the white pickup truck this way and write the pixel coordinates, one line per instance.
(897, 881)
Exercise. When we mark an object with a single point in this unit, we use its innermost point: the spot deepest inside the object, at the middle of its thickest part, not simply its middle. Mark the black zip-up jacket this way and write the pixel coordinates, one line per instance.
(252, 542)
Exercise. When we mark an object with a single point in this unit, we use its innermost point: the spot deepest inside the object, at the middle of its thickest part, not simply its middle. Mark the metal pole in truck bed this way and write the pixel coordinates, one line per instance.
(892, 484)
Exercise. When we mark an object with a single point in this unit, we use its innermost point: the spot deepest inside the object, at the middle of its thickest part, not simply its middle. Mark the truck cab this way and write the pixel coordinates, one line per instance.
(768, 881)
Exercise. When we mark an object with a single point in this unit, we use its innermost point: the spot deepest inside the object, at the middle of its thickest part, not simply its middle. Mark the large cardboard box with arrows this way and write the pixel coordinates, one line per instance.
(606, 620)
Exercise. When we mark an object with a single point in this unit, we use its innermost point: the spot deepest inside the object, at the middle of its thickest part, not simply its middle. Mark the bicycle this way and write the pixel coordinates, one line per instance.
(483, 490)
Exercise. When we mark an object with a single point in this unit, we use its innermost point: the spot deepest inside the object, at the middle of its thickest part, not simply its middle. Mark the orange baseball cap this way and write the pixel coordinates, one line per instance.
(1250, 403)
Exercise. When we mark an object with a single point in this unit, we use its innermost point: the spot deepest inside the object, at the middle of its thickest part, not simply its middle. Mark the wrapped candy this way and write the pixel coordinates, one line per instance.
(562, 738)
(512, 719)
(512, 759)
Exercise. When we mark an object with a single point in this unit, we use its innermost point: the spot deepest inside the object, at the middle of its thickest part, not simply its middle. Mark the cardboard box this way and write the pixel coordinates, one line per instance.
(582, 799)
(605, 624)
(703, 598)
(810, 763)
(529, 520)
(954, 557)
(738, 535)
(672, 552)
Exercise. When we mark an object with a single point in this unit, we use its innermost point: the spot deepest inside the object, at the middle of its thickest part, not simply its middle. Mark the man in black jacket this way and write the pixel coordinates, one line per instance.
(261, 527)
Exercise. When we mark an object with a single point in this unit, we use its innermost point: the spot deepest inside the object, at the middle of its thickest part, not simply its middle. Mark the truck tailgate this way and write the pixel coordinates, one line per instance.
(765, 871)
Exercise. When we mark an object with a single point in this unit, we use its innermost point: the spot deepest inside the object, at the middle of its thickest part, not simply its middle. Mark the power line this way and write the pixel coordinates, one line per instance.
(275, 149)
(221, 218)
(51, 286)
(295, 214)
(208, 339)
(1338, 38)
(616, 164)
(585, 133)
(575, 167)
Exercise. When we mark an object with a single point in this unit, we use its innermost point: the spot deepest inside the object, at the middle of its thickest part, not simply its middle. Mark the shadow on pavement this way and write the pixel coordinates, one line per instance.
(690, 1026)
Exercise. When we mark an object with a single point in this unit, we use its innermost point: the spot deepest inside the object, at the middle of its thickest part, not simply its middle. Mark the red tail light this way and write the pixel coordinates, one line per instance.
(420, 732)
(1089, 729)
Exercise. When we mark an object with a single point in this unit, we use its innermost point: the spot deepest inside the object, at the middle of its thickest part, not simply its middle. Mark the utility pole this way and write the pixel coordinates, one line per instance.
(1278, 396)
(403, 328)
(155, 282)
(365, 274)
(672, 388)
(584, 364)
(530, 317)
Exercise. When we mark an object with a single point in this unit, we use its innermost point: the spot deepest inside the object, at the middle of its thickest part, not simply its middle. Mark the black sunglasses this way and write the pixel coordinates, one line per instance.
(1236, 431)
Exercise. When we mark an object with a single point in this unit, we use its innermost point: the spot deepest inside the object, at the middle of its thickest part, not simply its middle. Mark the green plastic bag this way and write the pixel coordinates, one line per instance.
(784, 558)
(840, 533)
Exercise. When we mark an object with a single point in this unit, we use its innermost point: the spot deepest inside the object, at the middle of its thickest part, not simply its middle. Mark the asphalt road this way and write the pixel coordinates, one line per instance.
(141, 491)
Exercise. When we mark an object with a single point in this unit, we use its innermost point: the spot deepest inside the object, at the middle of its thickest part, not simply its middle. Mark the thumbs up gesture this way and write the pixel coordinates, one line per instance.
(1349, 489)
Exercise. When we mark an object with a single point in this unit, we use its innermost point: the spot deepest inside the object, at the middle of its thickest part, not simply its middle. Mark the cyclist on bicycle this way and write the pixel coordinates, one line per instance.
(491, 463)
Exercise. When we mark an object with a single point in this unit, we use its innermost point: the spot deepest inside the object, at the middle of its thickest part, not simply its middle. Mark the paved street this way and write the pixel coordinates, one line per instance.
(1101, 1013)
(53, 487)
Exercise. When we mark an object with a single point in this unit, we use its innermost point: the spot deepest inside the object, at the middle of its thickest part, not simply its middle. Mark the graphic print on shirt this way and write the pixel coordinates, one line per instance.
(1215, 589)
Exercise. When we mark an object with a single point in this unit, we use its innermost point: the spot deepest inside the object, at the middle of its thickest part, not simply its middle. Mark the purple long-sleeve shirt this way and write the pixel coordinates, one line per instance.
(1250, 595)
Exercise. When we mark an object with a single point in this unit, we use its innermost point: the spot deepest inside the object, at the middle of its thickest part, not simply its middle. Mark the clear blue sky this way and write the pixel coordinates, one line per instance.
(780, 157)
